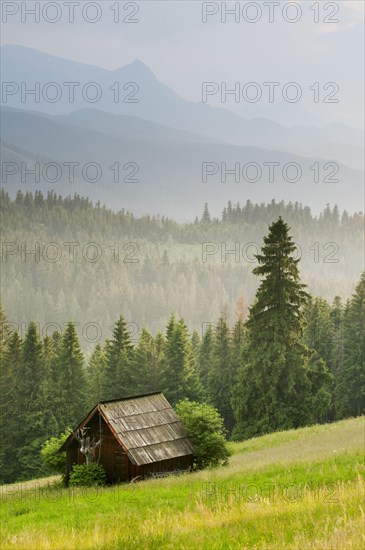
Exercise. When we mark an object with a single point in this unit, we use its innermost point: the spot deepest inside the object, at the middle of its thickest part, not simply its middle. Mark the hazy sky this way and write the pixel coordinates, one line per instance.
(182, 51)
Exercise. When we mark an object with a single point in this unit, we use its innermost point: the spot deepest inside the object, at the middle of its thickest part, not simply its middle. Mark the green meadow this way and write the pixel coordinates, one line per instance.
(299, 489)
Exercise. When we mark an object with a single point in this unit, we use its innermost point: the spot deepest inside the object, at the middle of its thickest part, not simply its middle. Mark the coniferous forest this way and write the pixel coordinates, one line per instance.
(182, 290)
(281, 357)
(67, 259)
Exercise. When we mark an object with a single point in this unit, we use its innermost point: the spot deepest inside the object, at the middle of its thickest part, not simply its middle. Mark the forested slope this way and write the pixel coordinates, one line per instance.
(148, 267)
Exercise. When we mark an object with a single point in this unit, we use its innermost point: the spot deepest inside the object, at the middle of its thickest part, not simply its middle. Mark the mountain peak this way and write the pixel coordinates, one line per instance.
(139, 67)
(139, 63)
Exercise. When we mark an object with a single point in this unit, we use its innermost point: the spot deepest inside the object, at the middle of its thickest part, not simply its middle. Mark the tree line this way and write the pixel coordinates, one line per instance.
(78, 212)
(170, 273)
(291, 360)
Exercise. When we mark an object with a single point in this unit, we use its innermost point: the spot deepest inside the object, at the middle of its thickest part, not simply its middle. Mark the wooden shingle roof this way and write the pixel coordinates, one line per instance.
(146, 426)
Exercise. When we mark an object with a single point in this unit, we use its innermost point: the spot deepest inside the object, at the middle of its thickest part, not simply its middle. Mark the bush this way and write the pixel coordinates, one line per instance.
(87, 475)
(205, 428)
(53, 460)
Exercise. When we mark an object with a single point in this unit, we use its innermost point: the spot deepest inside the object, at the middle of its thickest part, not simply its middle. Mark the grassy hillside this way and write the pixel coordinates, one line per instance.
(301, 489)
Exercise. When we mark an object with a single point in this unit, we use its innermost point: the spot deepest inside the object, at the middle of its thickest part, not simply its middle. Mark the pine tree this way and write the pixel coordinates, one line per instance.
(338, 343)
(337, 312)
(319, 330)
(170, 327)
(10, 419)
(220, 376)
(180, 377)
(206, 358)
(272, 385)
(238, 348)
(319, 337)
(158, 361)
(95, 374)
(146, 367)
(350, 382)
(206, 215)
(196, 343)
(193, 389)
(51, 387)
(320, 395)
(173, 369)
(119, 353)
(53, 367)
(31, 430)
(73, 386)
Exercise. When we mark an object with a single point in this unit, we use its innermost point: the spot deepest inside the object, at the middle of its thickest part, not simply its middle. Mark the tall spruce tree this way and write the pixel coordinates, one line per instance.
(272, 386)
(5, 385)
(146, 367)
(195, 347)
(206, 215)
(350, 377)
(338, 343)
(10, 415)
(180, 378)
(73, 385)
(29, 389)
(51, 386)
(52, 347)
(238, 351)
(193, 389)
(319, 329)
(173, 374)
(95, 374)
(206, 358)
(119, 354)
(319, 336)
(220, 373)
(319, 400)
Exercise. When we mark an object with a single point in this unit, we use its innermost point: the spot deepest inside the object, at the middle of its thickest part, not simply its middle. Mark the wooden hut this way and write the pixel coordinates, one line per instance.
(139, 436)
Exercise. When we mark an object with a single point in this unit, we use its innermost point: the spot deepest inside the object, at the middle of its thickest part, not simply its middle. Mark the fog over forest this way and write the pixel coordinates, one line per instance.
(150, 267)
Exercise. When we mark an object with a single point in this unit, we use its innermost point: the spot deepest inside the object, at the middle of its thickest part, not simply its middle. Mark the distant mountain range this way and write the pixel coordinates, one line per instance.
(167, 137)
(169, 164)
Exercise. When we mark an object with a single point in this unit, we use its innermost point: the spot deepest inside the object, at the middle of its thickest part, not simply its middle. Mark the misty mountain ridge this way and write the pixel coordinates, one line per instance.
(169, 163)
(152, 100)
